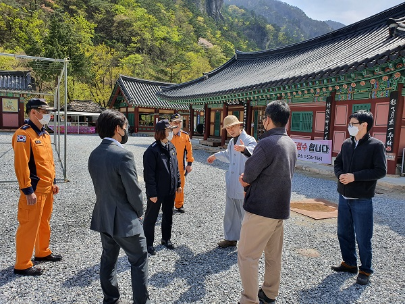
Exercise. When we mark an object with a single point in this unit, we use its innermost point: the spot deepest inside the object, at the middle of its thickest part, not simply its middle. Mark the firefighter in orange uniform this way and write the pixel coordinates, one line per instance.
(182, 142)
(35, 171)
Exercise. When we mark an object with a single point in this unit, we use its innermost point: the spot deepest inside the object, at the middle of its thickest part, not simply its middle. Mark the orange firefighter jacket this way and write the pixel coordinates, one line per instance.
(182, 142)
(33, 159)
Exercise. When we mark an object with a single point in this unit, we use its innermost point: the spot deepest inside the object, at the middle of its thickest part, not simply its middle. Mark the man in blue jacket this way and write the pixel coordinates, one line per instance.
(358, 166)
(267, 176)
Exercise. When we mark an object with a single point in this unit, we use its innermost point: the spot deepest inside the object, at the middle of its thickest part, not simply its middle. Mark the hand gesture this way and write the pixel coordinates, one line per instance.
(244, 184)
(189, 169)
(211, 159)
(241, 147)
(153, 199)
(179, 190)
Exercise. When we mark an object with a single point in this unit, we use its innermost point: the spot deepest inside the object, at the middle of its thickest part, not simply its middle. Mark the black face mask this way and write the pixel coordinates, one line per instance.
(124, 138)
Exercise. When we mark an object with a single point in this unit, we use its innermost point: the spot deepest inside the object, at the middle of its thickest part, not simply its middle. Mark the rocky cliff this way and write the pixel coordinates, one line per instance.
(211, 7)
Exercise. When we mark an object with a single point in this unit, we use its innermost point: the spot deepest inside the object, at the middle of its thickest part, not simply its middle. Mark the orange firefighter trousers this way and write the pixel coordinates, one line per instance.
(33, 230)
(179, 199)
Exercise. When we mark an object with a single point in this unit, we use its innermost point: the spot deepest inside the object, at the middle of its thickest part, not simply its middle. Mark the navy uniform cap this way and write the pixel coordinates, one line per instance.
(39, 103)
(163, 125)
(176, 117)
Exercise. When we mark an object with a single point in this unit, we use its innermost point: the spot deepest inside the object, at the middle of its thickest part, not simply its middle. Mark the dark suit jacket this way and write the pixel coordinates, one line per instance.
(118, 195)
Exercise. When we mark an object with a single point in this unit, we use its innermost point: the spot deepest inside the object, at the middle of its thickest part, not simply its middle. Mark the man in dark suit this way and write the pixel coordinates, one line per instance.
(118, 208)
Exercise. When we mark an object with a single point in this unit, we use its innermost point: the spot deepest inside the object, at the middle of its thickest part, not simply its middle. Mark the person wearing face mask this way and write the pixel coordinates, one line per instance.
(267, 178)
(182, 142)
(162, 182)
(359, 164)
(35, 171)
(118, 208)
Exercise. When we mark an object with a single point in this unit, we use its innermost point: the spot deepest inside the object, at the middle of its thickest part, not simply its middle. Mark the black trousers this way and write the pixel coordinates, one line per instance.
(135, 248)
(151, 214)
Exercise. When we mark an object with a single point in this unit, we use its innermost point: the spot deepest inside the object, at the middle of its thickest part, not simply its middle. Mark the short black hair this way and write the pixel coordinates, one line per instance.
(108, 121)
(160, 135)
(279, 112)
(364, 116)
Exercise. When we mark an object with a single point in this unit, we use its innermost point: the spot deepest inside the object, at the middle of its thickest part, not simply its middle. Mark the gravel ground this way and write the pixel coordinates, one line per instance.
(197, 271)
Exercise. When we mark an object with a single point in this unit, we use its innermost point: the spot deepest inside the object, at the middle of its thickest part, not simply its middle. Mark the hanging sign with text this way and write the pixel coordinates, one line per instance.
(392, 115)
(316, 151)
(328, 108)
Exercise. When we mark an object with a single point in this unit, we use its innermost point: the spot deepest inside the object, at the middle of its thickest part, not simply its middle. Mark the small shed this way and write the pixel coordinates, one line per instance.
(81, 116)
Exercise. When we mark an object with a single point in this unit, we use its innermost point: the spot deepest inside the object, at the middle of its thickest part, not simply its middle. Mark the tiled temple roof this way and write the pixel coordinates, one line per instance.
(16, 80)
(142, 93)
(371, 42)
(84, 106)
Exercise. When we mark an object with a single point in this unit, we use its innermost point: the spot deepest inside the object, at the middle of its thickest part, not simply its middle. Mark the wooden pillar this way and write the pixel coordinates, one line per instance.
(249, 118)
(21, 111)
(191, 118)
(136, 119)
(224, 133)
(207, 115)
(156, 116)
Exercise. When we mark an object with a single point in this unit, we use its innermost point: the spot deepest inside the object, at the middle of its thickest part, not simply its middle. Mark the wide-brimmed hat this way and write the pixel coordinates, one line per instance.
(176, 117)
(39, 103)
(230, 121)
(163, 125)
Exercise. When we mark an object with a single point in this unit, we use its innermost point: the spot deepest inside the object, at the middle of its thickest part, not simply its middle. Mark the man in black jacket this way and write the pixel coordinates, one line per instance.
(358, 166)
(267, 176)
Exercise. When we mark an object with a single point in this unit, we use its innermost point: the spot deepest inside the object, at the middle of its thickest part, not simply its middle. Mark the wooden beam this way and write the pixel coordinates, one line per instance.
(207, 114)
(191, 117)
(224, 133)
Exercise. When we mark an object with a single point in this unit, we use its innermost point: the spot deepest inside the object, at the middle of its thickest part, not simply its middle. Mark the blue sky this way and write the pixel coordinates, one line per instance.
(344, 11)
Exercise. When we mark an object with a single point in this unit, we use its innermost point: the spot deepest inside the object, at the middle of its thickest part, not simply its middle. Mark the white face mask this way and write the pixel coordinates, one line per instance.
(353, 130)
(170, 136)
(45, 119)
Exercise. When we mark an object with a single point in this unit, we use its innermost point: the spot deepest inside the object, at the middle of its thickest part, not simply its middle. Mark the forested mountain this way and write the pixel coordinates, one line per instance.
(164, 40)
(292, 20)
(334, 24)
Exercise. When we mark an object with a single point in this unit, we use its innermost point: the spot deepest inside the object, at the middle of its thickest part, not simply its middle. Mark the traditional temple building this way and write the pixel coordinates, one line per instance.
(15, 89)
(324, 80)
(136, 98)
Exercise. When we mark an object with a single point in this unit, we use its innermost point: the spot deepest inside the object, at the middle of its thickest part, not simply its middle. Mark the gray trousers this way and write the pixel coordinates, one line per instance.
(233, 217)
(135, 248)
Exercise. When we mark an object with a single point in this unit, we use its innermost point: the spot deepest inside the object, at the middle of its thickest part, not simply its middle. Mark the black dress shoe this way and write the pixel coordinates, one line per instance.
(343, 267)
(263, 299)
(49, 258)
(151, 250)
(168, 244)
(363, 278)
(32, 271)
(181, 210)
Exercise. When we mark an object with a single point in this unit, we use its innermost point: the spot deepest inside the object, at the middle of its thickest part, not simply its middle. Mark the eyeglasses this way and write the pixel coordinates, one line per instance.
(354, 123)
(176, 122)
